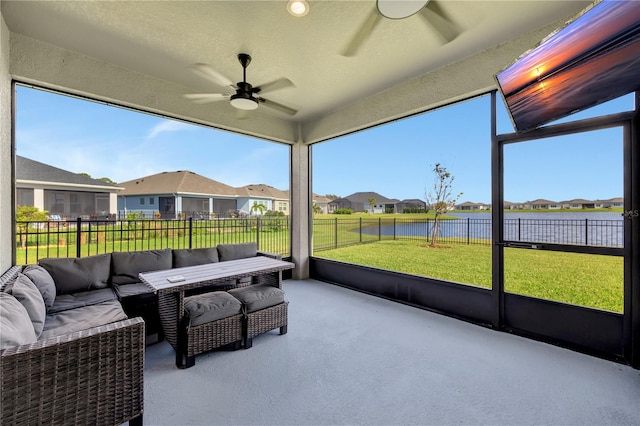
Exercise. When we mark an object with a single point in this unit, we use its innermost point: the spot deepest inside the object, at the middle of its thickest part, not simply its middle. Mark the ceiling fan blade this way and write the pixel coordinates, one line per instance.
(280, 83)
(205, 71)
(203, 98)
(437, 19)
(278, 107)
(363, 33)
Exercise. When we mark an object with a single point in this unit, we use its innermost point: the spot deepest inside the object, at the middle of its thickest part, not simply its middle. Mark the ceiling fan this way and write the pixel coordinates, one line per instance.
(429, 10)
(246, 96)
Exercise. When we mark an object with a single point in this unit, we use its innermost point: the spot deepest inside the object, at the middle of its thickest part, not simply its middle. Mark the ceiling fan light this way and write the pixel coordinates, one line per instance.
(245, 103)
(298, 8)
(399, 9)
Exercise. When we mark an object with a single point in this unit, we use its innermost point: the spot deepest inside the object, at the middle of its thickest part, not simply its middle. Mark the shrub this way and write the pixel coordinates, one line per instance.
(343, 211)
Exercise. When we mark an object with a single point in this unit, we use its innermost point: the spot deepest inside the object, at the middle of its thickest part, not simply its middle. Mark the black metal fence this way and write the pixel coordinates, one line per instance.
(79, 238)
(334, 233)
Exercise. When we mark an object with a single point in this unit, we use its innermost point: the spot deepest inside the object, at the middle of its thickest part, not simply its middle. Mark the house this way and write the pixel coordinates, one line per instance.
(271, 198)
(360, 202)
(469, 205)
(411, 205)
(172, 193)
(541, 204)
(322, 203)
(617, 202)
(577, 203)
(65, 194)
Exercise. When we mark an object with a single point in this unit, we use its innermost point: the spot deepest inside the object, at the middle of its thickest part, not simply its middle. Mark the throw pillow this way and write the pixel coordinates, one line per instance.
(28, 294)
(73, 275)
(43, 281)
(14, 322)
(237, 251)
(127, 265)
(193, 257)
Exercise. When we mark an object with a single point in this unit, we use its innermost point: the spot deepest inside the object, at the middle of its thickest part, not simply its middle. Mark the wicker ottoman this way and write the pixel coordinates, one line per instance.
(264, 309)
(211, 320)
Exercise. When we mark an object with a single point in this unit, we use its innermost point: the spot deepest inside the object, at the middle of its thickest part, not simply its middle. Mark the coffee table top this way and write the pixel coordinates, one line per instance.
(178, 279)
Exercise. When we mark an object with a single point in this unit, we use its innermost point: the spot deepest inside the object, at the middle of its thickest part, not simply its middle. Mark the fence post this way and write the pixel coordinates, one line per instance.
(360, 229)
(468, 231)
(586, 231)
(394, 228)
(78, 235)
(190, 232)
(335, 243)
(379, 228)
(519, 231)
(258, 231)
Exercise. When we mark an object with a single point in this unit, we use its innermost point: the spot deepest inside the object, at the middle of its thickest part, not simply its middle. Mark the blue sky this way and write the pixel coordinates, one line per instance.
(394, 160)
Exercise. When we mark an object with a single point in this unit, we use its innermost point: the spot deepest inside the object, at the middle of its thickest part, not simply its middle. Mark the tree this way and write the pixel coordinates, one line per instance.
(332, 196)
(107, 180)
(316, 208)
(257, 207)
(372, 203)
(26, 214)
(441, 199)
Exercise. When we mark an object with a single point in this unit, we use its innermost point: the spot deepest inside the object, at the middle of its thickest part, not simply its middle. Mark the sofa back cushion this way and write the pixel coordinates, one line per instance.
(127, 265)
(14, 322)
(237, 251)
(29, 296)
(73, 275)
(193, 257)
(43, 281)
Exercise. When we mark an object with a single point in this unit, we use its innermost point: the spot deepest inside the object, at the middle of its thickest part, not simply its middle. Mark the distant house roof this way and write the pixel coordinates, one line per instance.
(28, 170)
(179, 182)
(319, 199)
(542, 201)
(262, 190)
(413, 200)
(577, 201)
(363, 197)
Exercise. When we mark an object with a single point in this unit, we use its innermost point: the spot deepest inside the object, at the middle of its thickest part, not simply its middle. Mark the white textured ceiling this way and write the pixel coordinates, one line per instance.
(138, 53)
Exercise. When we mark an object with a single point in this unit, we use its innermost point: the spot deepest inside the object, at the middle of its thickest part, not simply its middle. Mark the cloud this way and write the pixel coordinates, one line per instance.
(168, 126)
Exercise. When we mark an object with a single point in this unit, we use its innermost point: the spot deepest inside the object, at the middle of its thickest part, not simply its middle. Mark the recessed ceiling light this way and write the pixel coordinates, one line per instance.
(298, 8)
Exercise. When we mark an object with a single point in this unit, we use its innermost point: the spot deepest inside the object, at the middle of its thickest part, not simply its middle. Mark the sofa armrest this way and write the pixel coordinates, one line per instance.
(272, 255)
(87, 377)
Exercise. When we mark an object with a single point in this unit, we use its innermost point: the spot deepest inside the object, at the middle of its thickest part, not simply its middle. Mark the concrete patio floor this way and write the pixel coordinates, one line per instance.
(355, 359)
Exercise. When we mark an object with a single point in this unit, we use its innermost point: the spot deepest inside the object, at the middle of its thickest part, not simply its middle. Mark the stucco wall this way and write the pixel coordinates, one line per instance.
(6, 185)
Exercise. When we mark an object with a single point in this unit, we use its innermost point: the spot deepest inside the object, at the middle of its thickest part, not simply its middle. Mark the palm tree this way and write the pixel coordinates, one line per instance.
(316, 208)
(257, 207)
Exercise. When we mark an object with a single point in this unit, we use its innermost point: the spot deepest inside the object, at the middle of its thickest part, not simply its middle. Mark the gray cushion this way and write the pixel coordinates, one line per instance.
(237, 251)
(193, 257)
(127, 265)
(207, 307)
(14, 322)
(28, 294)
(257, 297)
(82, 319)
(65, 302)
(75, 274)
(126, 290)
(43, 281)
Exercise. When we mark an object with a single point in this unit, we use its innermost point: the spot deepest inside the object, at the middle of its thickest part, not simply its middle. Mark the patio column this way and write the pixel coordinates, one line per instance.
(6, 153)
(300, 207)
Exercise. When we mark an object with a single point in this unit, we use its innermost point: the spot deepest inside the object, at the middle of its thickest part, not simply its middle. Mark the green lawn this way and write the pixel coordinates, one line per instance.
(581, 279)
